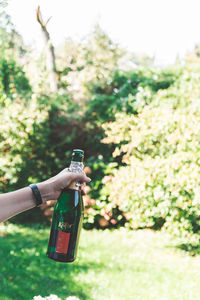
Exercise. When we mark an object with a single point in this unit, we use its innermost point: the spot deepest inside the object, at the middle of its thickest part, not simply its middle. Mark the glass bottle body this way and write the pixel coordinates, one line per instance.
(66, 226)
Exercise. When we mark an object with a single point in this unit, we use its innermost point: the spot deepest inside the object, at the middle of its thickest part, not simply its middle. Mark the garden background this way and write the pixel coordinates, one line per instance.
(139, 125)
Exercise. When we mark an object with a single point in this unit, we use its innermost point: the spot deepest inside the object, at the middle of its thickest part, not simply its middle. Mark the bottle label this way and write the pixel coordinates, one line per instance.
(64, 226)
(62, 242)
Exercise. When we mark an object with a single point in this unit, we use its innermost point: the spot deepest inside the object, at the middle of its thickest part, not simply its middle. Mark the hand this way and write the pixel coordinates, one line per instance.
(51, 188)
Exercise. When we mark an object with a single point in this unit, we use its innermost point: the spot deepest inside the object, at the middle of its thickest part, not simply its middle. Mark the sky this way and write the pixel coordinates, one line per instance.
(160, 28)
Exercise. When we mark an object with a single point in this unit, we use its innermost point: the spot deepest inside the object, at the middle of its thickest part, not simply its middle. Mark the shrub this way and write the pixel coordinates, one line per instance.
(159, 185)
(13, 81)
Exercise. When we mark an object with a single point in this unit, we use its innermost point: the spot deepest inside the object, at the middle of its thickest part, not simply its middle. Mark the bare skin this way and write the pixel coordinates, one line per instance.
(23, 199)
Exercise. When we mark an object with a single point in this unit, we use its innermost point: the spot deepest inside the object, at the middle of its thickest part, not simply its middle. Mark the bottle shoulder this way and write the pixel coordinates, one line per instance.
(68, 200)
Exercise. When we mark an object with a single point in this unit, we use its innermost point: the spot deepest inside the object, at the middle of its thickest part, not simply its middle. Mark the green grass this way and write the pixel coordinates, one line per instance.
(111, 265)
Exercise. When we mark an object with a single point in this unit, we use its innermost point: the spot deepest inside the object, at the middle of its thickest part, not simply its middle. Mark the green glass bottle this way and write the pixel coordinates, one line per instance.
(67, 217)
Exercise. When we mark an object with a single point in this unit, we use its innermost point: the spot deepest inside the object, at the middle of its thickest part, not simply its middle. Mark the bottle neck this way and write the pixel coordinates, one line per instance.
(76, 166)
(78, 159)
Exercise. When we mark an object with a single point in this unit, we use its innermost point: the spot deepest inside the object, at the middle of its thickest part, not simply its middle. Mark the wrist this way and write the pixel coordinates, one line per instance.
(45, 191)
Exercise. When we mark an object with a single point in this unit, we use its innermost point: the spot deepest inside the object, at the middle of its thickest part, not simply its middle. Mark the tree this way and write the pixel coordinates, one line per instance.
(50, 56)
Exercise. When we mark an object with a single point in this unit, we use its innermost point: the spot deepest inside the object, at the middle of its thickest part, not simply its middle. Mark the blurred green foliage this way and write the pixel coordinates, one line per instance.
(138, 126)
(13, 81)
(124, 88)
(159, 185)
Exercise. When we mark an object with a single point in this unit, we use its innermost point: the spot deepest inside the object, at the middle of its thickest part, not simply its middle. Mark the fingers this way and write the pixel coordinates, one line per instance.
(83, 192)
(83, 185)
(80, 177)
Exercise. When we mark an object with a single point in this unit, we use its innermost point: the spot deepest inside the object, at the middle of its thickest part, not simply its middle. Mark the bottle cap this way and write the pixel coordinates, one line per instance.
(78, 150)
(78, 155)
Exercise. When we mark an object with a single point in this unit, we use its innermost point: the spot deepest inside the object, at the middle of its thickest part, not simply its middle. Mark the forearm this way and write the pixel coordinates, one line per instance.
(18, 201)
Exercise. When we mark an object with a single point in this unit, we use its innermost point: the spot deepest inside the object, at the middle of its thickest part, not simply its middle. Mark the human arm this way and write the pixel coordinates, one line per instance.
(23, 199)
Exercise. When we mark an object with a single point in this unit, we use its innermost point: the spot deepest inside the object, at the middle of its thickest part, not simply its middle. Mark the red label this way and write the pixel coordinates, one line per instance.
(62, 242)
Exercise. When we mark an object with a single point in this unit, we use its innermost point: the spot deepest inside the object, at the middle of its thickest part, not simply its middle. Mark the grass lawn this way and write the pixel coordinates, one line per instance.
(111, 265)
